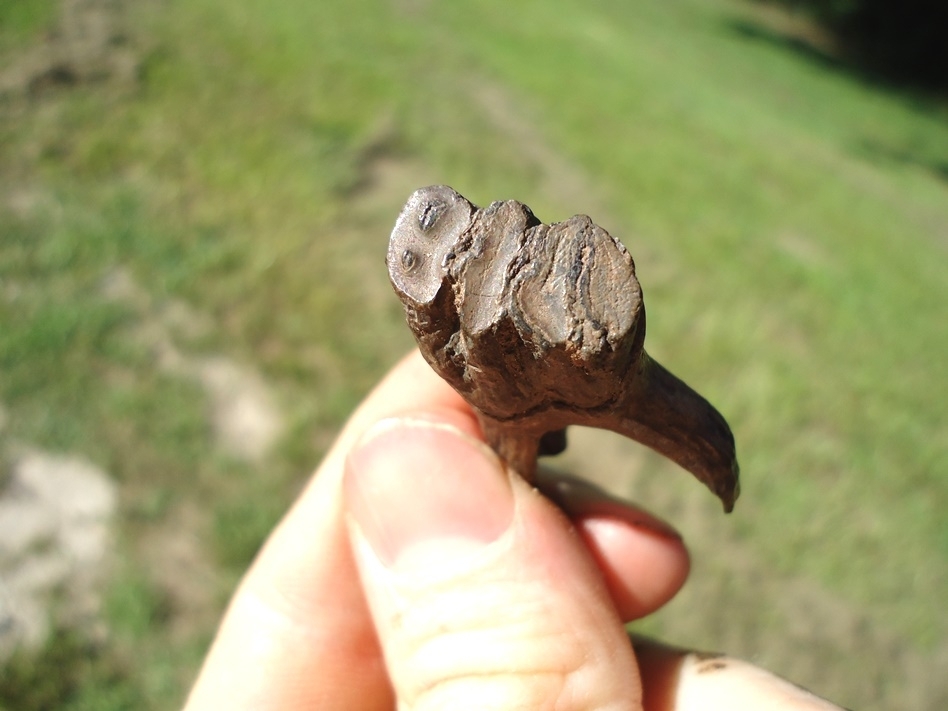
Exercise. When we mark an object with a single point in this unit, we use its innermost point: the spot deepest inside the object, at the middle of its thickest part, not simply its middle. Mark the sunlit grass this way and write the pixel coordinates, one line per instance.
(788, 221)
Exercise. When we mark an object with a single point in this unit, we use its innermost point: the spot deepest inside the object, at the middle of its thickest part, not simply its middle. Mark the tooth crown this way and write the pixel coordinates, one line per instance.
(541, 326)
(505, 303)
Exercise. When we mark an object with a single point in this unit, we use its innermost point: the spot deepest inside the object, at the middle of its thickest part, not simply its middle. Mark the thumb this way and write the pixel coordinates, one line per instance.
(481, 593)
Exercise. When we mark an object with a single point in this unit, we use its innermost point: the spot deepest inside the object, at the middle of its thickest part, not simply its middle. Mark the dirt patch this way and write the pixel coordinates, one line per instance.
(246, 421)
(245, 418)
(181, 569)
(89, 43)
(55, 540)
(57, 512)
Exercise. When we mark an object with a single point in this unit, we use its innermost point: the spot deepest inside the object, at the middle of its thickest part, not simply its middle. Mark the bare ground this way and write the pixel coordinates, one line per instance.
(57, 510)
(89, 43)
(55, 542)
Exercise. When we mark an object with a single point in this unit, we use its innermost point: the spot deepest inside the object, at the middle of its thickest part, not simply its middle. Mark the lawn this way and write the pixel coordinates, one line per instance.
(229, 199)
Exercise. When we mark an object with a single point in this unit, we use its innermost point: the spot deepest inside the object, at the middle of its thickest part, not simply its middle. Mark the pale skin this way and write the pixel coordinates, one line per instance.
(416, 572)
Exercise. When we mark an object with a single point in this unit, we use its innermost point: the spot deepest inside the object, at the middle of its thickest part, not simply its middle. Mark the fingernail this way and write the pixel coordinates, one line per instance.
(580, 498)
(413, 484)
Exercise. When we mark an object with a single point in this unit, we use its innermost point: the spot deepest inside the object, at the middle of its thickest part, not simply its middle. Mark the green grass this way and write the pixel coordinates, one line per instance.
(24, 20)
(788, 221)
(69, 673)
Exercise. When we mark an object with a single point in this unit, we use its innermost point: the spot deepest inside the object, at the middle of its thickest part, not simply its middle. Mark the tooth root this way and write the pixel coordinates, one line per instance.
(663, 413)
(517, 446)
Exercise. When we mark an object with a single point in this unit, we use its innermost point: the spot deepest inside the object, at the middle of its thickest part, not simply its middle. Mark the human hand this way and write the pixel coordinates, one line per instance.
(415, 571)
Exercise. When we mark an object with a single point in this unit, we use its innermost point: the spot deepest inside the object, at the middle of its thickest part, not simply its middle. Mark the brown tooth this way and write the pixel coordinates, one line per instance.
(662, 412)
(542, 326)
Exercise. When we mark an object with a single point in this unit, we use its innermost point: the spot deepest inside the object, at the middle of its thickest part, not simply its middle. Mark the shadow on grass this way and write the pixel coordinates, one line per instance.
(881, 152)
(914, 95)
(748, 30)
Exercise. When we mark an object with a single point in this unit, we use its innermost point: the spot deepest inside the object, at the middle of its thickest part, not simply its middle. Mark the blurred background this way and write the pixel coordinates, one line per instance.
(195, 199)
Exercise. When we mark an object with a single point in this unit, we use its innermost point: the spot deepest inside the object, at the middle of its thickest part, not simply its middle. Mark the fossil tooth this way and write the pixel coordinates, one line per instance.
(542, 326)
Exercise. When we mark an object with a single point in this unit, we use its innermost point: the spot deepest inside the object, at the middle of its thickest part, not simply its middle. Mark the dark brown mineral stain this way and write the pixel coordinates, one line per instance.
(712, 666)
(706, 656)
(542, 326)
